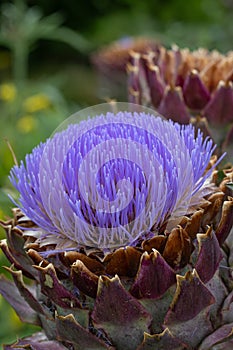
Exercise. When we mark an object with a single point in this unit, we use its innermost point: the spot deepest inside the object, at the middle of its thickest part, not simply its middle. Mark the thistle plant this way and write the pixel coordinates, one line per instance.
(122, 227)
(187, 87)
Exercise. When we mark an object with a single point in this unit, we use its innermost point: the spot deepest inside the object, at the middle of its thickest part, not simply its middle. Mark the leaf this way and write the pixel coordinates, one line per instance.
(78, 336)
(223, 336)
(21, 307)
(37, 341)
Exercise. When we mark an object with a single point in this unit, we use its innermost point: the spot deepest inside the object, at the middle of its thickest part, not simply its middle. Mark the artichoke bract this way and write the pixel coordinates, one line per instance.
(186, 87)
(123, 228)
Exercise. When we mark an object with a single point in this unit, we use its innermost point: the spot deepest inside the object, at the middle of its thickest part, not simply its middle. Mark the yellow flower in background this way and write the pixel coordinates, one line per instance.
(7, 92)
(36, 103)
(27, 124)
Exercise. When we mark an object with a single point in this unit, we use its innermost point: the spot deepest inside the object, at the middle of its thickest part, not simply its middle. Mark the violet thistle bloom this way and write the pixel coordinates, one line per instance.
(122, 222)
(109, 181)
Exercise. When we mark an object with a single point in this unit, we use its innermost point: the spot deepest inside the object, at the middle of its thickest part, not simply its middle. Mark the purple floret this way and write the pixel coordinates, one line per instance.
(108, 181)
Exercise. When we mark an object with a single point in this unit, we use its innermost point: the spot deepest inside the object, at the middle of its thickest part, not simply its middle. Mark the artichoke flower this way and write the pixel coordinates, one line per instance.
(122, 230)
(187, 87)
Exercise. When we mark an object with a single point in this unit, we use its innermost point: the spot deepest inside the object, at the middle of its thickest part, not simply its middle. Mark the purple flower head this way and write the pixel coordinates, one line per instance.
(112, 180)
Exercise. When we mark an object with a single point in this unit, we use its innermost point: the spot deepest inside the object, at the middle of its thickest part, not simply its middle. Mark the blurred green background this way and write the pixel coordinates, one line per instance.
(46, 72)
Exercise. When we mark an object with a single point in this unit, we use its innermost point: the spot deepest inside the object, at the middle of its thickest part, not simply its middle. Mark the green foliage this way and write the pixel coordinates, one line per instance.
(11, 327)
(187, 23)
(22, 27)
(192, 23)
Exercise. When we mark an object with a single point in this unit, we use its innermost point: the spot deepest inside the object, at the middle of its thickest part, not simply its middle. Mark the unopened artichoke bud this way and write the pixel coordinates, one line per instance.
(123, 232)
(204, 79)
(113, 58)
(111, 61)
